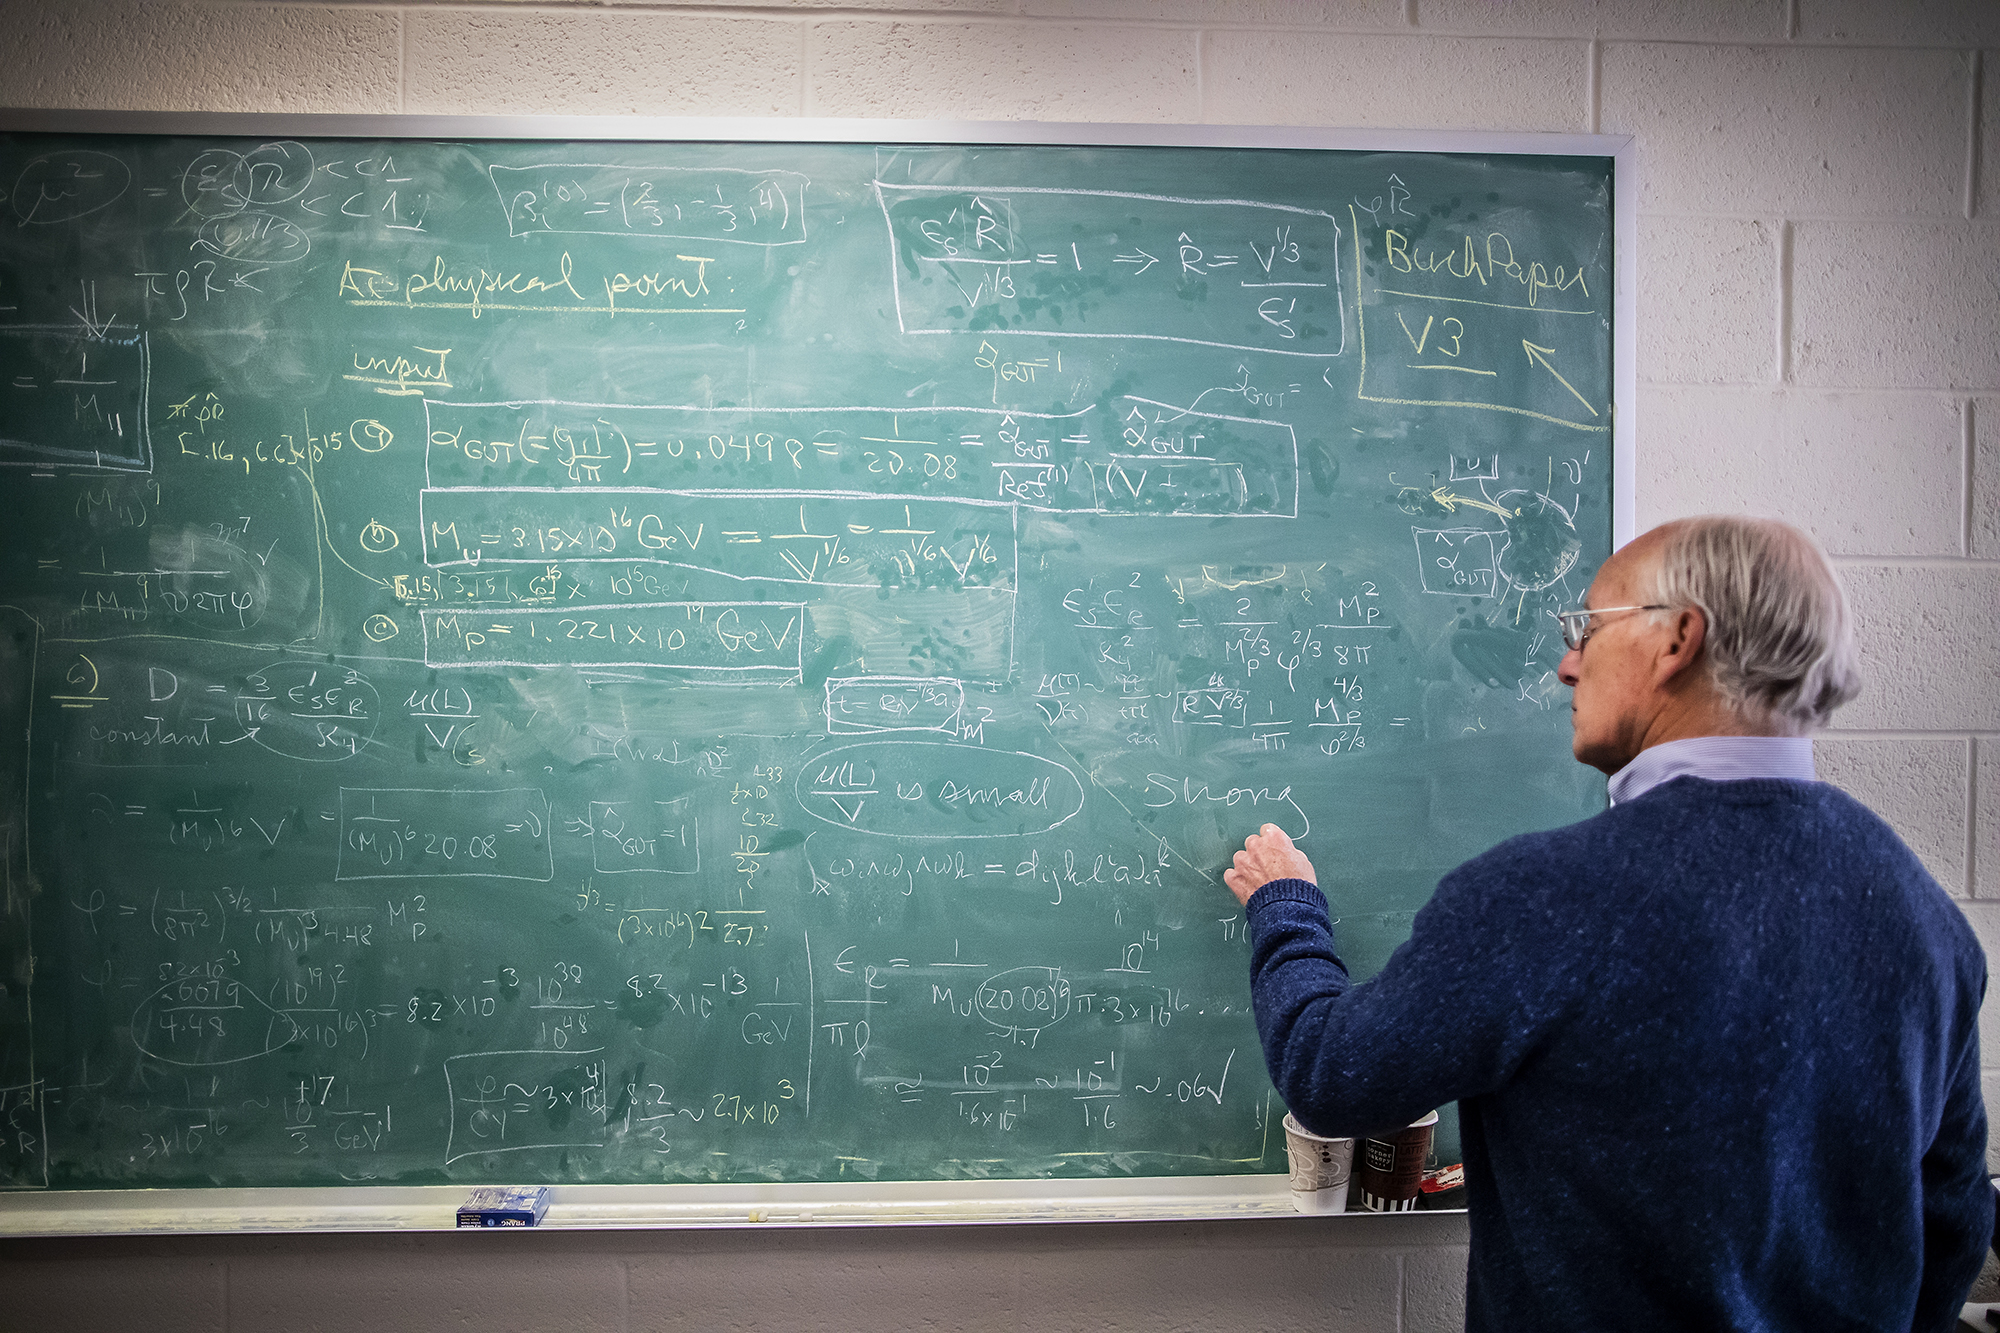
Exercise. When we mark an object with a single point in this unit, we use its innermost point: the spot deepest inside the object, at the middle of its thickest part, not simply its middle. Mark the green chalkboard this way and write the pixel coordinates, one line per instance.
(702, 661)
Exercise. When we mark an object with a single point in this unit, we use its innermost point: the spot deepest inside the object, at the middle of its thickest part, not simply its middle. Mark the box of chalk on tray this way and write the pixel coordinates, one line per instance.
(504, 1206)
(1442, 1188)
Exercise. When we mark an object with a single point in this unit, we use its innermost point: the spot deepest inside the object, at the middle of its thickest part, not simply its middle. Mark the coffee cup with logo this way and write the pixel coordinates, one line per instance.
(1389, 1168)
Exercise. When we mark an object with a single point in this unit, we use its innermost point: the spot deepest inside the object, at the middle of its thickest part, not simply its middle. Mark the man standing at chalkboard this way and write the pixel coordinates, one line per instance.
(1716, 1049)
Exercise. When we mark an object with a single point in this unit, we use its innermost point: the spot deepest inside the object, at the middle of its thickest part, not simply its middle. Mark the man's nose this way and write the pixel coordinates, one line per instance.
(1566, 670)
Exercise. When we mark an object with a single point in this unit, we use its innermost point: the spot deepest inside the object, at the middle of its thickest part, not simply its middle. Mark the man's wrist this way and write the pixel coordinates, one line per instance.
(1286, 891)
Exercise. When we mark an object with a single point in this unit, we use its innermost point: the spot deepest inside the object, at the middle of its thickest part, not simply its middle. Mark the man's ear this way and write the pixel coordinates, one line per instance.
(1688, 631)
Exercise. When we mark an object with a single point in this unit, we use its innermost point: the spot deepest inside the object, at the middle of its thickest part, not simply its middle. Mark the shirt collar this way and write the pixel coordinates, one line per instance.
(1717, 759)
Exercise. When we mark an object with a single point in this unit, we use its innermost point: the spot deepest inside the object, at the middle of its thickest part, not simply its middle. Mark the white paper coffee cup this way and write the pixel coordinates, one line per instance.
(1321, 1168)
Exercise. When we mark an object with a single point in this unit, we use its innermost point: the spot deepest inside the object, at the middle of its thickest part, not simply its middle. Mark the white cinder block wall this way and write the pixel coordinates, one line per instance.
(1819, 338)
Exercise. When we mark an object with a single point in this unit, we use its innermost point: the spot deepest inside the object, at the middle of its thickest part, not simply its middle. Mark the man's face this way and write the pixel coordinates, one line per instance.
(1611, 675)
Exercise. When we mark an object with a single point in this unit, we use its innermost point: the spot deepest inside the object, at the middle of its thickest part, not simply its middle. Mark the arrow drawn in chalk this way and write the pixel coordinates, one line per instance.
(1540, 356)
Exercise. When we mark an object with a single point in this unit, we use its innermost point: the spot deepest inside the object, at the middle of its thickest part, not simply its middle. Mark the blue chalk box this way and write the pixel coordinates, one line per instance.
(504, 1206)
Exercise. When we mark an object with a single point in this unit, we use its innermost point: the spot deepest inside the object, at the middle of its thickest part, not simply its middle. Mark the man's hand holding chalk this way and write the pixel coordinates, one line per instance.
(1267, 855)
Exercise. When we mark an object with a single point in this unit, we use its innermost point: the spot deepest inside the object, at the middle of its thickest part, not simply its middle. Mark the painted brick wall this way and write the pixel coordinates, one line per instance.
(1819, 339)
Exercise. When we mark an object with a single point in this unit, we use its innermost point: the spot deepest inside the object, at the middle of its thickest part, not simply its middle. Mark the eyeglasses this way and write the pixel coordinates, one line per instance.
(1576, 624)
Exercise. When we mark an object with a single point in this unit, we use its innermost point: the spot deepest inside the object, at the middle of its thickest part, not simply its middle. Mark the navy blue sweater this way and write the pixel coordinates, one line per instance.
(1716, 1055)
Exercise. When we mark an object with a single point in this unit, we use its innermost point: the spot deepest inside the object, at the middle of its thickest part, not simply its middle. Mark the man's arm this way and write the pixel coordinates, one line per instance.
(1292, 962)
(1451, 1015)
(1958, 1201)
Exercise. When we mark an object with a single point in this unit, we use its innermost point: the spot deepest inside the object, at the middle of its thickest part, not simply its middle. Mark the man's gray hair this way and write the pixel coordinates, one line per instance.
(1780, 645)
